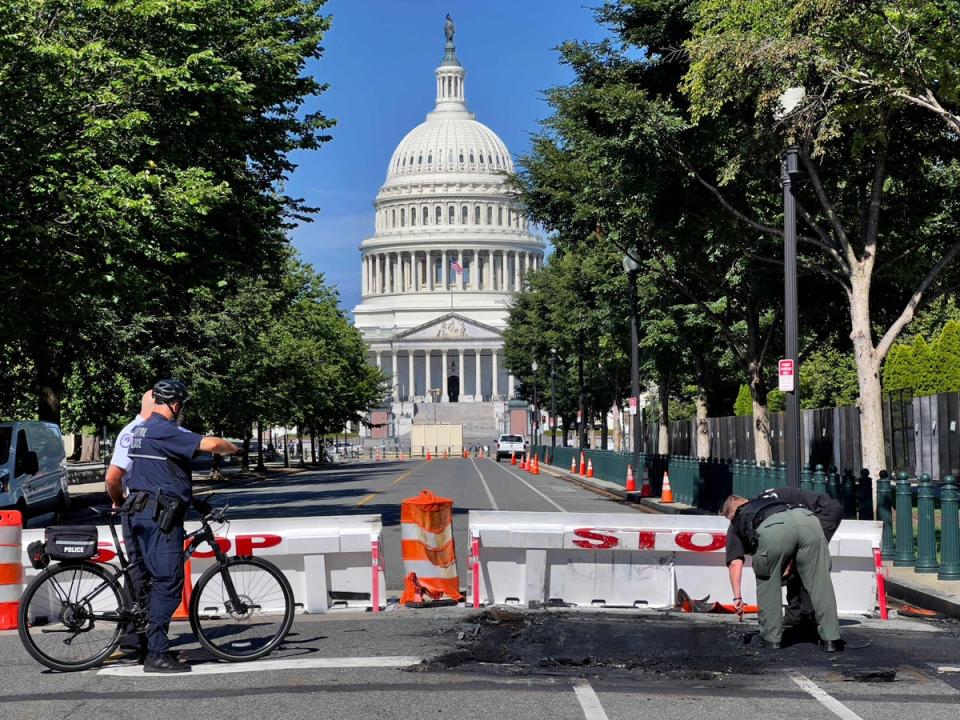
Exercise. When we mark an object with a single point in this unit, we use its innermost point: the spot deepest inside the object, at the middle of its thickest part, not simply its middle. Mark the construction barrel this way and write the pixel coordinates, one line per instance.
(11, 568)
(427, 547)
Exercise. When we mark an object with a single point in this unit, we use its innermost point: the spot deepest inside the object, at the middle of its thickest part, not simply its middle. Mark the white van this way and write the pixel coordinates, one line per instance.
(33, 468)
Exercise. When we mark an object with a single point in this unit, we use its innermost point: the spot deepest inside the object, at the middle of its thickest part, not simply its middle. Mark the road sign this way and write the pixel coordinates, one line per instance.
(786, 376)
(633, 406)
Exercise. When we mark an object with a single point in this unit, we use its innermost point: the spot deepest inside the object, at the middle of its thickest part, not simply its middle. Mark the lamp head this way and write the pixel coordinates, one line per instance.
(790, 100)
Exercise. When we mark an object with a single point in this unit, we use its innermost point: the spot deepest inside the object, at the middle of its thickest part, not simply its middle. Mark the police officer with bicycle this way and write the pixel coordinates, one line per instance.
(161, 489)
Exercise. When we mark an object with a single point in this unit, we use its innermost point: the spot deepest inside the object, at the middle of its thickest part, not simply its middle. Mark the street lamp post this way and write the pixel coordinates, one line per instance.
(789, 102)
(536, 406)
(553, 400)
(632, 266)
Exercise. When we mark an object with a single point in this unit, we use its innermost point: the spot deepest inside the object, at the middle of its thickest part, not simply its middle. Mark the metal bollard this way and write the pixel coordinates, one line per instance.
(819, 480)
(949, 530)
(736, 477)
(926, 530)
(806, 477)
(849, 494)
(865, 495)
(833, 483)
(904, 556)
(759, 476)
(885, 514)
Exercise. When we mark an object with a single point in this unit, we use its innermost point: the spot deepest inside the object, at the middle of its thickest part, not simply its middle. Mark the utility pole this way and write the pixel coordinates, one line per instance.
(582, 425)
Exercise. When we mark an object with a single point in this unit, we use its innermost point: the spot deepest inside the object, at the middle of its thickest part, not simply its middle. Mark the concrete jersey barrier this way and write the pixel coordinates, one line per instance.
(329, 561)
(632, 560)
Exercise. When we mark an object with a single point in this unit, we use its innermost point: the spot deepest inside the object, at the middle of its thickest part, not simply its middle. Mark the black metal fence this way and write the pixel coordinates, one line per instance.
(922, 435)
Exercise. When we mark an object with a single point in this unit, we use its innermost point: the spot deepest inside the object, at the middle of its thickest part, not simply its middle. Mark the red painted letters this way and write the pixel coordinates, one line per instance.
(594, 540)
(246, 543)
(718, 541)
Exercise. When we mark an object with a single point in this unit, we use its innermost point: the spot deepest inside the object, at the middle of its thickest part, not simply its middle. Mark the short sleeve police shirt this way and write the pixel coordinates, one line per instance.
(735, 548)
(121, 453)
(161, 451)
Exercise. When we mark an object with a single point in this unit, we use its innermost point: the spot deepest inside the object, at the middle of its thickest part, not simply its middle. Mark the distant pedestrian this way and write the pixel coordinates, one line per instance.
(778, 534)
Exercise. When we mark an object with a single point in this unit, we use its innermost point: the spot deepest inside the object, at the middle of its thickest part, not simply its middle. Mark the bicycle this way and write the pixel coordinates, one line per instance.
(240, 609)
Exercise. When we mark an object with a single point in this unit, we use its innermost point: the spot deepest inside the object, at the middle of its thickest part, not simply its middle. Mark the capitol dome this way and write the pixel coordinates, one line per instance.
(452, 246)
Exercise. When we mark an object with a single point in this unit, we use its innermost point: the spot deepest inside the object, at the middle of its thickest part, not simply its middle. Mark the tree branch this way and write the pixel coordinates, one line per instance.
(825, 203)
(915, 300)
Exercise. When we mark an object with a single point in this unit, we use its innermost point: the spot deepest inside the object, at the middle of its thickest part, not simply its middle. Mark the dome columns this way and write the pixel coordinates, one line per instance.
(417, 271)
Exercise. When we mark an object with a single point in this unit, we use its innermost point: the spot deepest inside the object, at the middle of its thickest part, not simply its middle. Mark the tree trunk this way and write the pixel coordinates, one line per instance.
(868, 361)
(604, 431)
(245, 458)
(260, 466)
(663, 444)
(617, 428)
(49, 388)
(762, 450)
(90, 448)
(703, 410)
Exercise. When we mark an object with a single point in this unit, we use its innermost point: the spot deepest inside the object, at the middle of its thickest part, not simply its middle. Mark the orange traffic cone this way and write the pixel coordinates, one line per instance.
(445, 455)
(645, 489)
(428, 456)
(573, 466)
(183, 610)
(631, 483)
(513, 457)
(523, 462)
(666, 495)
(583, 463)
(536, 465)
(590, 468)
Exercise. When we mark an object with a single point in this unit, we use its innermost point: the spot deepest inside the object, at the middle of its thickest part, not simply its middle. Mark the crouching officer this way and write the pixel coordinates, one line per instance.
(777, 533)
(161, 488)
(799, 612)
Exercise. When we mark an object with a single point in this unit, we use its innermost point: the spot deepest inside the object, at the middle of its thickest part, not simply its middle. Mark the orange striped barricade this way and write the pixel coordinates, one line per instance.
(11, 567)
(429, 557)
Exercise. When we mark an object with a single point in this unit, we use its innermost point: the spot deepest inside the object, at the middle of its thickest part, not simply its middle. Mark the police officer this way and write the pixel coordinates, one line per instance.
(160, 489)
(799, 611)
(779, 534)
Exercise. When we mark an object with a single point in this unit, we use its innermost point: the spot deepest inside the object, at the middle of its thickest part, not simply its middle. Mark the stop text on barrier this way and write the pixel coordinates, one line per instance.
(646, 539)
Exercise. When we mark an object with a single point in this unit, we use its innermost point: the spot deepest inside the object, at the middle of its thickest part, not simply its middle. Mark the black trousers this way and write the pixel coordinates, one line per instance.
(799, 607)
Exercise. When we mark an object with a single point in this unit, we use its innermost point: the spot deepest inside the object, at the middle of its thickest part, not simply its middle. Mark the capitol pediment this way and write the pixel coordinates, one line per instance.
(451, 327)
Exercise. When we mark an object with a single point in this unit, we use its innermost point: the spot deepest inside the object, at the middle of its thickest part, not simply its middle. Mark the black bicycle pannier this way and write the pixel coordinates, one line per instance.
(37, 552)
(71, 542)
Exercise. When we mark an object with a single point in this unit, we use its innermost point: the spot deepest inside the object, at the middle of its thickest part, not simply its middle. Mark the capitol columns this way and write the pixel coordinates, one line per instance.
(445, 273)
(411, 379)
(490, 271)
(460, 274)
(396, 376)
(493, 363)
(477, 385)
(462, 375)
(443, 377)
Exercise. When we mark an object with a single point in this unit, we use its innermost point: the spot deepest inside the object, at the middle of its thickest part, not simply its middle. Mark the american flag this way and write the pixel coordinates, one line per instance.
(455, 266)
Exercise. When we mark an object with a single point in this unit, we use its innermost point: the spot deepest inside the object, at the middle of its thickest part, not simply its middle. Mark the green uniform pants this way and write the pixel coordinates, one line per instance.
(794, 535)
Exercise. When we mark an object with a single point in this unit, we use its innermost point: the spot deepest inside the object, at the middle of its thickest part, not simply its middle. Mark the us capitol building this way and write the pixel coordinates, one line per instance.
(452, 245)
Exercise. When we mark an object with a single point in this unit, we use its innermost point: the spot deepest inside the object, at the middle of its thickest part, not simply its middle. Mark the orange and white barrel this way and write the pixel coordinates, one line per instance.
(11, 567)
(429, 557)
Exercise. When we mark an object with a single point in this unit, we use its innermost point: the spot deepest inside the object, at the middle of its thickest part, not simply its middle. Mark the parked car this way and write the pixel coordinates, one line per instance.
(509, 444)
(33, 468)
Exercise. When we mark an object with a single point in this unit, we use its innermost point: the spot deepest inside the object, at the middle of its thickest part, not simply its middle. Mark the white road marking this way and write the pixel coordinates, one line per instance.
(308, 663)
(824, 698)
(589, 702)
(493, 503)
(945, 668)
(531, 487)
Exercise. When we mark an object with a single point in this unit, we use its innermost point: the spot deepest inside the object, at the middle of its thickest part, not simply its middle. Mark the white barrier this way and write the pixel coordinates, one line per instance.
(633, 560)
(329, 561)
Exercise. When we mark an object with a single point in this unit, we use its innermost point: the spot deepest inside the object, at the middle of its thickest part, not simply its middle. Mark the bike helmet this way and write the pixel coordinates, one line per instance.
(170, 391)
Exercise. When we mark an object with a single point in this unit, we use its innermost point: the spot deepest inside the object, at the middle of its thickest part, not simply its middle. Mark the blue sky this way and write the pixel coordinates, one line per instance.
(379, 61)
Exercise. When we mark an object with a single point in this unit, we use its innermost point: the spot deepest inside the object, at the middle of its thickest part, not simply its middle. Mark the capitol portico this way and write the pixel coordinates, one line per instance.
(452, 245)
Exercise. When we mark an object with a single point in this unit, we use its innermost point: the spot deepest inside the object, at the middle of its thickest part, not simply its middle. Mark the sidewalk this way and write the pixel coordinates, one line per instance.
(920, 589)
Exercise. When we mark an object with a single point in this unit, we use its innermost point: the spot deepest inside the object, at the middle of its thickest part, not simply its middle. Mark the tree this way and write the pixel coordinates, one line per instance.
(879, 201)
(143, 146)
(744, 404)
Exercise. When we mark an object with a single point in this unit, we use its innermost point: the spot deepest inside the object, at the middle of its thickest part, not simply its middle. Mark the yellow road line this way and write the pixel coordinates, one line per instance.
(372, 495)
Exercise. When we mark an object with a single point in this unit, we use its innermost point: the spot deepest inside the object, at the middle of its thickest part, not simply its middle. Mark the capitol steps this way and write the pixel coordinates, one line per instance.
(479, 419)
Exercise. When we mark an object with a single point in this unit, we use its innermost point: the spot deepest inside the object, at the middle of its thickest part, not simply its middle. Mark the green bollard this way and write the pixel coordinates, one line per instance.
(949, 530)
(782, 475)
(806, 477)
(904, 556)
(819, 480)
(759, 478)
(833, 483)
(849, 494)
(885, 514)
(926, 529)
(736, 477)
(865, 495)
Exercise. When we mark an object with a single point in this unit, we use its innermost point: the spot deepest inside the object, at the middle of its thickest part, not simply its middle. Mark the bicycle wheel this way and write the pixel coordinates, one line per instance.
(255, 627)
(70, 616)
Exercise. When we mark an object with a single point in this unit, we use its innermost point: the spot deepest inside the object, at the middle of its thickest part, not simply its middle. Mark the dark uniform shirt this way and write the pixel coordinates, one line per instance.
(828, 511)
(162, 451)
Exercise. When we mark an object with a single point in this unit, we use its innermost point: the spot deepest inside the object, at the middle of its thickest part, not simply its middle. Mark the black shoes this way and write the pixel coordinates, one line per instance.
(769, 645)
(166, 663)
(831, 646)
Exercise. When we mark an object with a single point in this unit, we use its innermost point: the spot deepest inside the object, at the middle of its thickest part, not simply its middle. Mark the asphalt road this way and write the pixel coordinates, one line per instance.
(555, 664)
